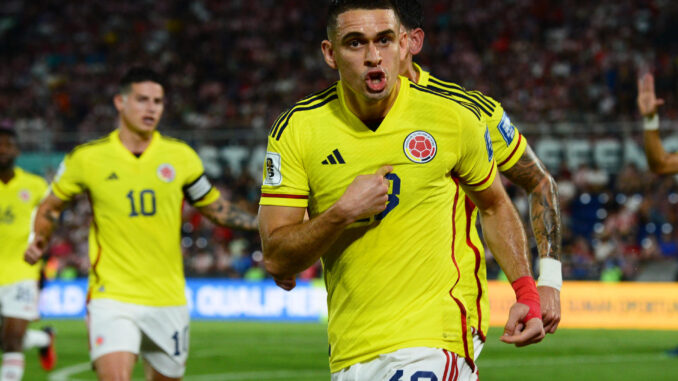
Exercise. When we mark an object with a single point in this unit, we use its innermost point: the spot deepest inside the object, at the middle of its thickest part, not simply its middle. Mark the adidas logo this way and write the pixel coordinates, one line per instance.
(112, 176)
(334, 158)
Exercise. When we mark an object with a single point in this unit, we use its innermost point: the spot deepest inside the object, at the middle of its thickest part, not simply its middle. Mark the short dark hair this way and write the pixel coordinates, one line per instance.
(8, 131)
(411, 13)
(138, 74)
(338, 7)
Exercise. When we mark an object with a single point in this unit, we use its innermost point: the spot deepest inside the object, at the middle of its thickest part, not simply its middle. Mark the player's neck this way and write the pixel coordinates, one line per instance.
(135, 141)
(411, 72)
(371, 111)
(7, 174)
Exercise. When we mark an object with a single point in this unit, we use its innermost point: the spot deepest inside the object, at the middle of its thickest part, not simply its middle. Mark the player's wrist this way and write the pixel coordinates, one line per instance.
(550, 273)
(651, 122)
(526, 293)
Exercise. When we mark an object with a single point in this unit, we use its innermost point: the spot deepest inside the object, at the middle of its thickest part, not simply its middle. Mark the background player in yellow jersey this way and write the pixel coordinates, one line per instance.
(20, 193)
(372, 158)
(136, 180)
(518, 163)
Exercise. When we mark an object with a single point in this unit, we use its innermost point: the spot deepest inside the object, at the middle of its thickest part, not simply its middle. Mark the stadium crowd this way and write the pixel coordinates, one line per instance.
(563, 63)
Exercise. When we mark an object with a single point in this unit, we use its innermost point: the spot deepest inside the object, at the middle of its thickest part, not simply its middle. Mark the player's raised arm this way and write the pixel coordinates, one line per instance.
(224, 213)
(530, 174)
(659, 161)
(291, 244)
(46, 218)
(506, 238)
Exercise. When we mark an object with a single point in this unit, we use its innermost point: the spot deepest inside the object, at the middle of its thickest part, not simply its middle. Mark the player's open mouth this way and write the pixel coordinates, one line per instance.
(148, 120)
(376, 81)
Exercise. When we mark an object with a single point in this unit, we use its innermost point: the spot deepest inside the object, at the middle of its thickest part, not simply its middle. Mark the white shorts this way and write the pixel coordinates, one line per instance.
(478, 345)
(20, 300)
(410, 364)
(159, 334)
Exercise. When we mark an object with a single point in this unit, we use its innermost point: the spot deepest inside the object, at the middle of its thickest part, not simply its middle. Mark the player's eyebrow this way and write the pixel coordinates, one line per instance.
(353, 35)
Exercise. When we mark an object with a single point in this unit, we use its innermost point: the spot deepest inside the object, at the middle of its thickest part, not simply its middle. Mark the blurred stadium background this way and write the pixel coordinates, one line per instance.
(564, 70)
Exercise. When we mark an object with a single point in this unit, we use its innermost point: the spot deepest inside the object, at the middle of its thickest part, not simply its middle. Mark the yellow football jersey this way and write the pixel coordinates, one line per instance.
(508, 145)
(390, 279)
(18, 200)
(134, 241)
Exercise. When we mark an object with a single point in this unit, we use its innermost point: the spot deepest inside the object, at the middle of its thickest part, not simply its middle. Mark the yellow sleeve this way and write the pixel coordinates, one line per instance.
(508, 143)
(197, 188)
(476, 165)
(69, 179)
(285, 182)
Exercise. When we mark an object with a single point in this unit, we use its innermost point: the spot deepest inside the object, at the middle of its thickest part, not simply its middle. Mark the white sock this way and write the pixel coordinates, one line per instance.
(12, 366)
(35, 338)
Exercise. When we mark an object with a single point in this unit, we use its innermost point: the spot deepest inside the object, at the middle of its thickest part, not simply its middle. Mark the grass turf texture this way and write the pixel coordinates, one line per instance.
(239, 351)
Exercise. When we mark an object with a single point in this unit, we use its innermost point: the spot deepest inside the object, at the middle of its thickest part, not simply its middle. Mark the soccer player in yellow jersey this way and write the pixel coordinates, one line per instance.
(136, 180)
(375, 160)
(515, 160)
(20, 194)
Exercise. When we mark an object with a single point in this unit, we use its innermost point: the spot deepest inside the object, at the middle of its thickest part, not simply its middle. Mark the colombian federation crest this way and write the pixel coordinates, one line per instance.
(420, 147)
(166, 172)
(24, 195)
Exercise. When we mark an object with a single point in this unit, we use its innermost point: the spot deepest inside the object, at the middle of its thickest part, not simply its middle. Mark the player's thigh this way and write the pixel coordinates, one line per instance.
(165, 339)
(115, 366)
(112, 328)
(20, 300)
(410, 364)
(154, 375)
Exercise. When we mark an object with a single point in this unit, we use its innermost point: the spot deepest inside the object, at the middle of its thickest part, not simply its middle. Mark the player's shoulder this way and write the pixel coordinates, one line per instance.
(32, 179)
(314, 105)
(445, 104)
(487, 105)
(90, 147)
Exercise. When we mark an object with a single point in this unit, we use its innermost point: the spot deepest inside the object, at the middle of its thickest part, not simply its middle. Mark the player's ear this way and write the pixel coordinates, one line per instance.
(416, 37)
(328, 54)
(118, 101)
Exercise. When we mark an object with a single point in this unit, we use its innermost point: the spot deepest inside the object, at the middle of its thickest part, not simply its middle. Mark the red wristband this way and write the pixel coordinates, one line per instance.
(526, 293)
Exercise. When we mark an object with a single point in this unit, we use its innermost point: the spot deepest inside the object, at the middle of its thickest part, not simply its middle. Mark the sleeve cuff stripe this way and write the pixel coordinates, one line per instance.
(489, 175)
(520, 138)
(273, 195)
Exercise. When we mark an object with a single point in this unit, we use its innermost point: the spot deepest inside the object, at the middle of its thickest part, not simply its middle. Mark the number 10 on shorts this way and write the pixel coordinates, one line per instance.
(180, 341)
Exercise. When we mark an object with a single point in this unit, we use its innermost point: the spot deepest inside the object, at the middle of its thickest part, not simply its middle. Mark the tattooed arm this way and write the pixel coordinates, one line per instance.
(530, 174)
(46, 219)
(223, 213)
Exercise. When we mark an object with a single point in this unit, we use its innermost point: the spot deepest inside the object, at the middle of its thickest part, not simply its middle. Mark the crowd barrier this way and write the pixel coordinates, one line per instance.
(630, 305)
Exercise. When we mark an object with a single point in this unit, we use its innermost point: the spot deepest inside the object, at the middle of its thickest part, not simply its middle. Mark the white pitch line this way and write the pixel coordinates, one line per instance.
(63, 374)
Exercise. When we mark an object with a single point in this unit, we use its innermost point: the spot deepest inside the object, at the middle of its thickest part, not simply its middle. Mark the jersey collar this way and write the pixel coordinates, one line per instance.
(17, 174)
(423, 75)
(115, 137)
(393, 113)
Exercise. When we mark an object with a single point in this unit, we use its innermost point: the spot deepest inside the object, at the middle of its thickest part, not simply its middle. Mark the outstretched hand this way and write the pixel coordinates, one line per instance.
(515, 332)
(647, 99)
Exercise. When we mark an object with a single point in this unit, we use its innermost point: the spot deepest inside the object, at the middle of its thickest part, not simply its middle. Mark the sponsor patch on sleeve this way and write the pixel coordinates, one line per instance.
(488, 145)
(506, 128)
(272, 174)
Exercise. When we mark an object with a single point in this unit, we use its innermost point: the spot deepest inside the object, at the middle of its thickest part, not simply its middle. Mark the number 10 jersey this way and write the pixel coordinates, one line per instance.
(134, 240)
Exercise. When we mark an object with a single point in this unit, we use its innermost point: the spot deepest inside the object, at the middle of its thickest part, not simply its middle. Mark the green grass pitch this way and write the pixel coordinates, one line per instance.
(239, 351)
